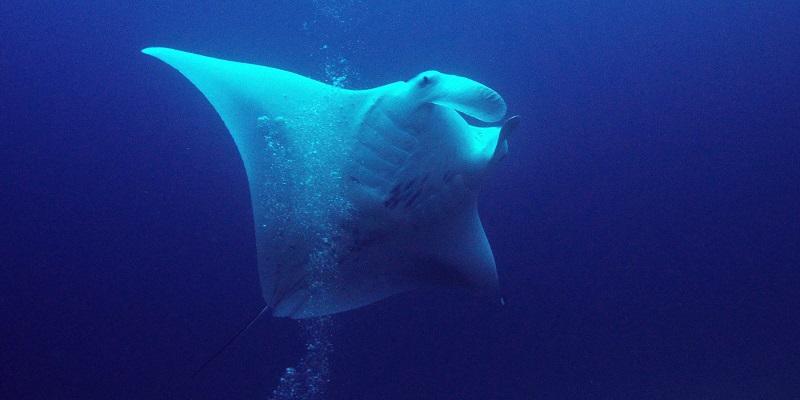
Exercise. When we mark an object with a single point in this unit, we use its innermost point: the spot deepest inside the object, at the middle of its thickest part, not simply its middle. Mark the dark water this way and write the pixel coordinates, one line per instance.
(646, 223)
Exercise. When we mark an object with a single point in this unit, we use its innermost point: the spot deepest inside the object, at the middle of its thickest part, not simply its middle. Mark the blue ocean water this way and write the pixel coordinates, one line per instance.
(646, 223)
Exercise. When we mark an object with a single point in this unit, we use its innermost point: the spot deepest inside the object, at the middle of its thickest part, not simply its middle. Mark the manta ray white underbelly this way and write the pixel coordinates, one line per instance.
(358, 195)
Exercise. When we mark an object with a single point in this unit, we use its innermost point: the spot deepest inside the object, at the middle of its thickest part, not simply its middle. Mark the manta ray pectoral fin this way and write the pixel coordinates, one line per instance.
(242, 93)
(462, 94)
(287, 129)
(466, 255)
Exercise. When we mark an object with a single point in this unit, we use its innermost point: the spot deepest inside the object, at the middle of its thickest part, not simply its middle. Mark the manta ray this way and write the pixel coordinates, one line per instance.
(358, 195)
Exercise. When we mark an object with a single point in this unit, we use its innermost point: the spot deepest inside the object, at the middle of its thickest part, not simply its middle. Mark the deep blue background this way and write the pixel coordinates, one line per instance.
(646, 223)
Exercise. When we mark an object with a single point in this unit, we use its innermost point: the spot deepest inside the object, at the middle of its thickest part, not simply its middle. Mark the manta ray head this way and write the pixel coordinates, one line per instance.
(432, 107)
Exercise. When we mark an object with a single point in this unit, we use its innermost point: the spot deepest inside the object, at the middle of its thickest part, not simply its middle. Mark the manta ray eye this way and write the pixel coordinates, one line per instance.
(425, 81)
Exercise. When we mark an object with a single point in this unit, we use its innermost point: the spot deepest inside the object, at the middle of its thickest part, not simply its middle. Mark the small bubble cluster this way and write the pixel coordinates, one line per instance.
(309, 379)
(333, 26)
(305, 198)
(305, 195)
